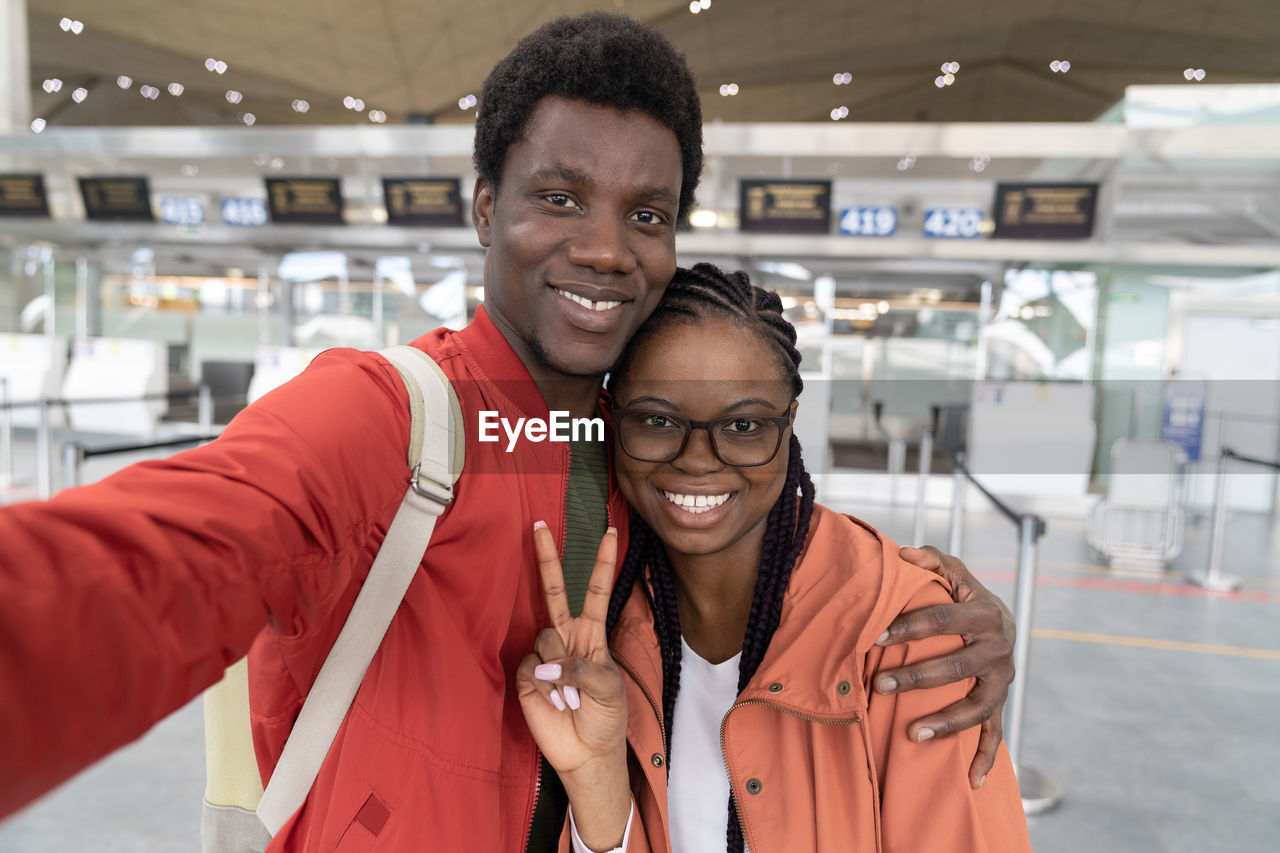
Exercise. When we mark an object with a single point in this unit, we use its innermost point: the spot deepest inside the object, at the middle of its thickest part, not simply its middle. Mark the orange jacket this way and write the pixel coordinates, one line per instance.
(816, 759)
(122, 600)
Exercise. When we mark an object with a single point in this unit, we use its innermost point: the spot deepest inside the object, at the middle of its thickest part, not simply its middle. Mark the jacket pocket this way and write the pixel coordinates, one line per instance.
(368, 824)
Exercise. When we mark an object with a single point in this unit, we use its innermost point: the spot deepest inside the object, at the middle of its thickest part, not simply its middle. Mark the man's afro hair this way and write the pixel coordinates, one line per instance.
(602, 58)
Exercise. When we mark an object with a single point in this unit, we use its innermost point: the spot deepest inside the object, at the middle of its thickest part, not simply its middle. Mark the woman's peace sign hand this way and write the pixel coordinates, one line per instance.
(570, 689)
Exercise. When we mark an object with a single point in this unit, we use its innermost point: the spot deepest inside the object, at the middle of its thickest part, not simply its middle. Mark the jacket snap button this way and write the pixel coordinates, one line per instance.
(843, 688)
(754, 786)
(776, 687)
(657, 759)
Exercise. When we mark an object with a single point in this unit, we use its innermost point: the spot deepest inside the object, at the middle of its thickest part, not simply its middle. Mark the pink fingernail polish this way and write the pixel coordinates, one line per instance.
(556, 700)
(571, 696)
(539, 525)
(546, 671)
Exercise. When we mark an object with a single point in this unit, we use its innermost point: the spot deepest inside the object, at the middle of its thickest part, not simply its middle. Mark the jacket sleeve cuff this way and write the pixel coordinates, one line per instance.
(579, 847)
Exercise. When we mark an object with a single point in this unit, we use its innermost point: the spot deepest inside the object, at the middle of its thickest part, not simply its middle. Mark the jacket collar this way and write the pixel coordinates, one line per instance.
(836, 606)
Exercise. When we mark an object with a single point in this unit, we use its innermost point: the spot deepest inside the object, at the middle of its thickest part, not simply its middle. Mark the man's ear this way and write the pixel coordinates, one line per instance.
(482, 200)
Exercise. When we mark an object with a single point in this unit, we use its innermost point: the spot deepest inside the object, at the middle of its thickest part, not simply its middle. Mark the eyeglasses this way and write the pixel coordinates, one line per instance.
(743, 441)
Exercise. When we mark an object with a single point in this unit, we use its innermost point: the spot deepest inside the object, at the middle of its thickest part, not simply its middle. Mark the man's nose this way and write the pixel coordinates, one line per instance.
(603, 244)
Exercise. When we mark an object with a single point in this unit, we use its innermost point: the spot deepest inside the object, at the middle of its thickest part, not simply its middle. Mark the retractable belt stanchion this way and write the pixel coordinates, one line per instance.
(955, 538)
(6, 435)
(926, 460)
(72, 462)
(204, 409)
(1213, 578)
(1039, 792)
(44, 451)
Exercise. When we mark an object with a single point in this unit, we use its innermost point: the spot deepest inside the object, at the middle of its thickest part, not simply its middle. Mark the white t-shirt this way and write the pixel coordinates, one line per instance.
(698, 784)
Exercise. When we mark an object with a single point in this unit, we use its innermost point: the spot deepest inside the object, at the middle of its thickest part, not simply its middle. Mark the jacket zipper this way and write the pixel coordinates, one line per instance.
(657, 712)
(724, 754)
(537, 753)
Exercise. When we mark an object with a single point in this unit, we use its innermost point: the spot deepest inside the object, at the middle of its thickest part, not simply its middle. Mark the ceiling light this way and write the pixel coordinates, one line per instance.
(210, 64)
(176, 89)
(69, 26)
(37, 125)
(839, 113)
(220, 67)
(728, 89)
(65, 24)
(190, 170)
(77, 27)
(466, 102)
(842, 79)
(695, 7)
(703, 218)
(248, 118)
(1065, 65)
(979, 162)
(349, 102)
(124, 82)
(377, 116)
(906, 162)
(882, 307)
(149, 92)
(53, 84)
(948, 78)
(358, 105)
(949, 67)
(1196, 74)
(79, 95)
(277, 163)
(939, 81)
(706, 4)
(300, 106)
(234, 97)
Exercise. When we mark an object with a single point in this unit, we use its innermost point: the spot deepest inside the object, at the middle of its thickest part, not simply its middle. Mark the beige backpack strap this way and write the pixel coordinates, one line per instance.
(436, 444)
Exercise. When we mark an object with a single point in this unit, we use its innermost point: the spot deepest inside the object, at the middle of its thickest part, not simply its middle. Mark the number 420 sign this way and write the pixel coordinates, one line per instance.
(962, 222)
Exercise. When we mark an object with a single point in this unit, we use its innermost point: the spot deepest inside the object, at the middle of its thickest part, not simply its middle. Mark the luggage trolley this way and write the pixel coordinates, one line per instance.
(1140, 524)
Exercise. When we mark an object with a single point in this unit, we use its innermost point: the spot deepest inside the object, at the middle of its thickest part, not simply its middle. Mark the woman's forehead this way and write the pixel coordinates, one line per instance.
(714, 359)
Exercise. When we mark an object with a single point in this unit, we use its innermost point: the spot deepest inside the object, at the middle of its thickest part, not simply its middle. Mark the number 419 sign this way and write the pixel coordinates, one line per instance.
(869, 221)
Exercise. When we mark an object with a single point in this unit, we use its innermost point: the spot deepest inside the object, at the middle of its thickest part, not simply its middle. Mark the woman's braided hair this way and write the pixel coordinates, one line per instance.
(693, 295)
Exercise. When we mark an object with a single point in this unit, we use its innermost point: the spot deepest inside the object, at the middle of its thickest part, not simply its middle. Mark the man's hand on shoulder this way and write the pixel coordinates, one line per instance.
(988, 630)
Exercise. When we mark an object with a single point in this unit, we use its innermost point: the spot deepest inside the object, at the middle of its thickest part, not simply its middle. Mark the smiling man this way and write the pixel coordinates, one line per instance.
(120, 601)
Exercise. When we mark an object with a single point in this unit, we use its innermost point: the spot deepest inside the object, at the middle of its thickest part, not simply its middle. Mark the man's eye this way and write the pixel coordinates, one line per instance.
(649, 217)
(560, 200)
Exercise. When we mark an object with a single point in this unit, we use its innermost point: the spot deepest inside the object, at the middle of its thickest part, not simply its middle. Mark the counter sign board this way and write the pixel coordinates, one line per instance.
(423, 201)
(305, 201)
(785, 207)
(123, 199)
(1045, 211)
(23, 195)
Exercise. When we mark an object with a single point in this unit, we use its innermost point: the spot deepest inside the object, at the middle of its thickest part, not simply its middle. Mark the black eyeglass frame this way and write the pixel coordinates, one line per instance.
(689, 424)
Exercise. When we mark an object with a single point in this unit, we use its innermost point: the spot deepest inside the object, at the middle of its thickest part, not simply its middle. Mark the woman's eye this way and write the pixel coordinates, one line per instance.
(742, 426)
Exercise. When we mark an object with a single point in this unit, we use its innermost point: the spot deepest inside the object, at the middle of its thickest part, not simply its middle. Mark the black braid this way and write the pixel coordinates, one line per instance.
(692, 295)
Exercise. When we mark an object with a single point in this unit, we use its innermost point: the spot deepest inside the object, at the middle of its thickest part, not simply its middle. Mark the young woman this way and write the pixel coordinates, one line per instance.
(731, 707)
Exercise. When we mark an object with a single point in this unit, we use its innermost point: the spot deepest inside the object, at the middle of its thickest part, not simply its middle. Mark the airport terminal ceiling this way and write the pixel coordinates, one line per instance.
(418, 60)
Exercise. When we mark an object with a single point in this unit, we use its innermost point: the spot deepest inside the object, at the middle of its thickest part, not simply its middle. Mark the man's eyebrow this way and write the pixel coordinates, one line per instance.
(660, 194)
(561, 172)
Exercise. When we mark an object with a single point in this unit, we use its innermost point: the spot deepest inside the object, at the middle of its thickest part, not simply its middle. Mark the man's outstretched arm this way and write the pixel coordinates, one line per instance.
(988, 630)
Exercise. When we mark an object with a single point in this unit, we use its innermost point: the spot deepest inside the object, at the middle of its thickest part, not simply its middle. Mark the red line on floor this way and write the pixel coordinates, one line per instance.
(1174, 590)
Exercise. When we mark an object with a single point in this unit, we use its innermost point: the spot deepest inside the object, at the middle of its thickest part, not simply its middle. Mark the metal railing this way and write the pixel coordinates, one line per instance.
(44, 430)
(1213, 578)
(1039, 792)
(74, 453)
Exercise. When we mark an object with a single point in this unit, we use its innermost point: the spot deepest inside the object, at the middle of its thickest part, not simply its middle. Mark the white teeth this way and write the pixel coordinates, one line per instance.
(696, 503)
(587, 303)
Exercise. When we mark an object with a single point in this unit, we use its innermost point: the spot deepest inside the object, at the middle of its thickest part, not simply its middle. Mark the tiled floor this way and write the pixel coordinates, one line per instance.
(1153, 705)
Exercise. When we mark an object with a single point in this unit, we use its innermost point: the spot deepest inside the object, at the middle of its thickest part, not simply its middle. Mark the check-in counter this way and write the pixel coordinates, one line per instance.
(116, 369)
(33, 367)
(1032, 438)
(274, 366)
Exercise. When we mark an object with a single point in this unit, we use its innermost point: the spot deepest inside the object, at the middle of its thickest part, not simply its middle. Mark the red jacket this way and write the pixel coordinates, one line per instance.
(121, 601)
(817, 761)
